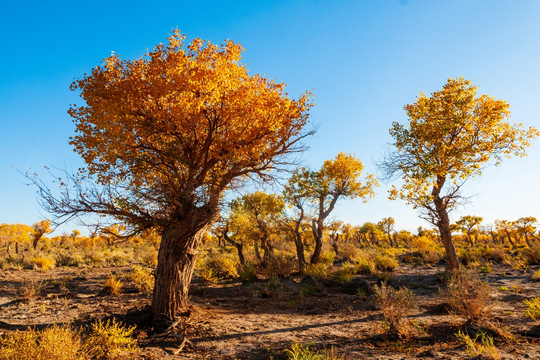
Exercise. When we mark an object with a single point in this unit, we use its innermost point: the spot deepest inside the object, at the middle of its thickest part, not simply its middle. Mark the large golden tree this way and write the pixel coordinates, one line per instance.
(163, 137)
(450, 137)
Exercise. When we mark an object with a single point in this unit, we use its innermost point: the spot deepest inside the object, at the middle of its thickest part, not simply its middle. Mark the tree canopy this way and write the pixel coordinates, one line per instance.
(172, 129)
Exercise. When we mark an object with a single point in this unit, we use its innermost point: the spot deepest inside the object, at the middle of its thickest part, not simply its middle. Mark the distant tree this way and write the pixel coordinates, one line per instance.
(449, 138)
(259, 215)
(506, 229)
(338, 178)
(294, 194)
(387, 226)
(470, 226)
(525, 227)
(371, 233)
(335, 234)
(164, 136)
(40, 229)
(17, 234)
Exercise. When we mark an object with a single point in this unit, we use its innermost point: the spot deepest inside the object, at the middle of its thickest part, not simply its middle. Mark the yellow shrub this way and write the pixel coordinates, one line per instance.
(385, 263)
(345, 274)
(281, 265)
(327, 257)
(148, 256)
(209, 276)
(29, 290)
(533, 308)
(58, 343)
(395, 304)
(348, 251)
(494, 253)
(43, 263)
(366, 266)
(468, 295)
(430, 251)
(110, 340)
(481, 346)
(142, 278)
(224, 265)
(112, 286)
(532, 255)
(316, 271)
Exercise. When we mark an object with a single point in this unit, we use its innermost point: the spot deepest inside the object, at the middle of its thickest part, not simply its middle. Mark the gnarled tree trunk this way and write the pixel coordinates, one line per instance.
(317, 227)
(298, 241)
(176, 260)
(443, 223)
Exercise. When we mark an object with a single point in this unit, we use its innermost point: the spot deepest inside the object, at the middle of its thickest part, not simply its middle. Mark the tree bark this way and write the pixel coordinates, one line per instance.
(176, 260)
(443, 224)
(317, 227)
(298, 241)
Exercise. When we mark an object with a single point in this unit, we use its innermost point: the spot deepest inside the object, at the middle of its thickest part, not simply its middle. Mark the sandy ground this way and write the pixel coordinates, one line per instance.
(259, 320)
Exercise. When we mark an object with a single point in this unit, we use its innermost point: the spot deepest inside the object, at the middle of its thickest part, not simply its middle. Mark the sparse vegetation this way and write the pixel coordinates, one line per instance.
(299, 352)
(142, 278)
(481, 345)
(395, 305)
(112, 286)
(468, 296)
(533, 308)
(103, 341)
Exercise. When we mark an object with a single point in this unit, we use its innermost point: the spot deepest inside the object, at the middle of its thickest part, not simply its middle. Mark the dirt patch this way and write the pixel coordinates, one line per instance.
(259, 320)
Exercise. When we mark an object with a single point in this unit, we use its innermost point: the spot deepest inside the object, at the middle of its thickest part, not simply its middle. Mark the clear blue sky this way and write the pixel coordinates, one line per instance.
(363, 60)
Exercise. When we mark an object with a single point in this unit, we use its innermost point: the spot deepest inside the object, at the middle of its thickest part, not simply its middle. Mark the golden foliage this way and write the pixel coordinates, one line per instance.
(53, 343)
(142, 278)
(533, 308)
(110, 340)
(183, 115)
(112, 286)
(451, 135)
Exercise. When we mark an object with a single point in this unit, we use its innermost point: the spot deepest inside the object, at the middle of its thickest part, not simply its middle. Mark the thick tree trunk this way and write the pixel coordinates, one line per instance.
(298, 242)
(443, 223)
(268, 250)
(317, 227)
(446, 239)
(257, 252)
(176, 260)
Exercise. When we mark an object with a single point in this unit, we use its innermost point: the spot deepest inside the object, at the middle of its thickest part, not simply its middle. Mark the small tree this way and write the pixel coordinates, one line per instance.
(449, 138)
(164, 136)
(257, 216)
(337, 178)
(387, 226)
(525, 227)
(469, 225)
(40, 229)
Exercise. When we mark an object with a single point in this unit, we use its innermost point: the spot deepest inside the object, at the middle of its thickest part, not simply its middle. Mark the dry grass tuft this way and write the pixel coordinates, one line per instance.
(112, 286)
(468, 295)
(395, 305)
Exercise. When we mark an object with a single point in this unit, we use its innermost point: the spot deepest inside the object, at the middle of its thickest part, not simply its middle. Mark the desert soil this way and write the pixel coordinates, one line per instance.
(232, 320)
